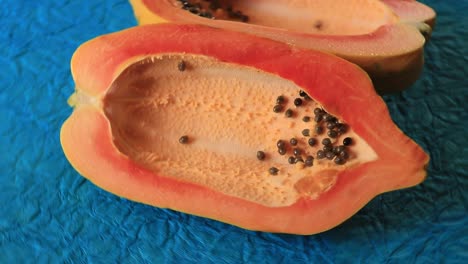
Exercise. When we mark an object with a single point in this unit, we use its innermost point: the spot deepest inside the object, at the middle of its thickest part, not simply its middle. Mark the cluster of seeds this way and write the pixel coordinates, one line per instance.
(325, 125)
(212, 9)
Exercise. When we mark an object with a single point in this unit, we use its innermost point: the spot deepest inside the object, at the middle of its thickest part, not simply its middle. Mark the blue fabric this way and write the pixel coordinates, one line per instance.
(50, 214)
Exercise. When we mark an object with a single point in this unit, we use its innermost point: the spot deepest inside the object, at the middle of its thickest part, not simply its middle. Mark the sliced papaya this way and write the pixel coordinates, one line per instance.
(365, 32)
(233, 127)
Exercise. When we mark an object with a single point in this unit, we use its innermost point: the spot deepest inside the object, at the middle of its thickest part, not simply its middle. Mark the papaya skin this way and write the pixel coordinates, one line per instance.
(88, 144)
(399, 64)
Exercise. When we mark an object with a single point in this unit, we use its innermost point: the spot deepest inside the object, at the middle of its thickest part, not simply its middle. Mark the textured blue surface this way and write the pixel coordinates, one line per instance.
(51, 214)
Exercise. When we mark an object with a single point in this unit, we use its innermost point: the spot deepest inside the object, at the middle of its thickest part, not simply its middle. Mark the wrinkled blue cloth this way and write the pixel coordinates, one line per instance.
(50, 214)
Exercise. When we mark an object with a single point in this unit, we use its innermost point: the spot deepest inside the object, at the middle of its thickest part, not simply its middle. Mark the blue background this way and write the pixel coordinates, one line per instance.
(49, 213)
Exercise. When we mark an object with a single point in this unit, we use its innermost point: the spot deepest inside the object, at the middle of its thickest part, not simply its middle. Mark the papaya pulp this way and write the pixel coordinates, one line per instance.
(233, 127)
(382, 37)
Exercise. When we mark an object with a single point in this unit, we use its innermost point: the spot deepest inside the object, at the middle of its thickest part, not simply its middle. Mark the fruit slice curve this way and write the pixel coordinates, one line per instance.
(175, 116)
(367, 33)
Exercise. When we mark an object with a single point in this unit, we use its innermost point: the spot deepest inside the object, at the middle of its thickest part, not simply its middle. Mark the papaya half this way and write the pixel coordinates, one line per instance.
(368, 33)
(233, 127)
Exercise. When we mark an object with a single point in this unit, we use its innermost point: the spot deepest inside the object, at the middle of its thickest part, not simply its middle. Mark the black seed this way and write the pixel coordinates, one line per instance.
(260, 155)
(273, 171)
(331, 125)
(297, 152)
(280, 99)
(293, 141)
(327, 148)
(318, 111)
(289, 113)
(302, 93)
(344, 154)
(306, 118)
(318, 130)
(309, 161)
(277, 108)
(330, 155)
(298, 102)
(183, 139)
(329, 117)
(280, 144)
(194, 10)
(181, 66)
(347, 141)
(326, 141)
(340, 161)
(318, 118)
(282, 151)
(291, 160)
(312, 142)
(306, 132)
(338, 149)
(341, 128)
(206, 14)
(320, 154)
(332, 133)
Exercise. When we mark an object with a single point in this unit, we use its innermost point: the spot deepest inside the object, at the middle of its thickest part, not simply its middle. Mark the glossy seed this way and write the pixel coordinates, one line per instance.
(306, 132)
(302, 93)
(327, 148)
(318, 130)
(341, 128)
(306, 118)
(183, 139)
(331, 125)
(318, 118)
(318, 111)
(293, 141)
(347, 141)
(273, 171)
(280, 99)
(277, 108)
(298, 102)
(291, 160)
(309, 161)
(312, 142)
(280, 144)
(329, 117)
(282, 151)
(320, 154)
(181, 66)
(344, 154)
(338, 149)
(332, 133)
(326, 141)
(330, 155)
(297, 152)
(288, 113)
(340, 161)
(260, 155)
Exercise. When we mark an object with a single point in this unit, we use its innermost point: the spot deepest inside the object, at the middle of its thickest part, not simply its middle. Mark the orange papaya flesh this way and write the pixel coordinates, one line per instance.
(134, 100)
(367, 33)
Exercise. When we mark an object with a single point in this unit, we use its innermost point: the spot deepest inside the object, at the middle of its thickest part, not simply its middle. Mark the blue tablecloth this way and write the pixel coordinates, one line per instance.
(49, 213)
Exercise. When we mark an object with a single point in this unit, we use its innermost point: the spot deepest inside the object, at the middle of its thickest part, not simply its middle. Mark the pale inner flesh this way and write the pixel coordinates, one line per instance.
(226, 111)
(339, 17)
